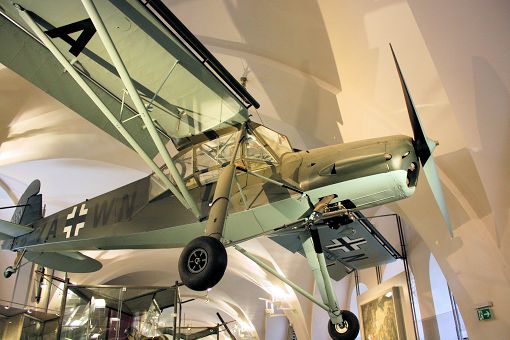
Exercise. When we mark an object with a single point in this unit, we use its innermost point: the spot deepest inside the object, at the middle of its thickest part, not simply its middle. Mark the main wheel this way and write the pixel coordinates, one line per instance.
(202, 263)
(348, 330)
(9, 271)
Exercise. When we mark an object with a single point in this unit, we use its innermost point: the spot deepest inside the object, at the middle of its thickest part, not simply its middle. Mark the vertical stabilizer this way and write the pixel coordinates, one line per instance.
(30, 205)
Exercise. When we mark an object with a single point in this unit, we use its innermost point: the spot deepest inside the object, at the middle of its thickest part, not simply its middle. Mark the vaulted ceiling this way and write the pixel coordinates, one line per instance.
(323, 73)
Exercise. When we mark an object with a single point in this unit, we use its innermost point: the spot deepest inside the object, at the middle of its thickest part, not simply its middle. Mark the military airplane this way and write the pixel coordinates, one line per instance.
(134, 70)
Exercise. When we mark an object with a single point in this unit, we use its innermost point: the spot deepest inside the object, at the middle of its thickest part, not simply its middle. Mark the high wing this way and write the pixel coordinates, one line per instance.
(357, 245)
(131, 68)
(184, 96)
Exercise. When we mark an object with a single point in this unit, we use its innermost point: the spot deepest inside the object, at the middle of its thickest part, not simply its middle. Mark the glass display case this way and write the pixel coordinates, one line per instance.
(112, 312)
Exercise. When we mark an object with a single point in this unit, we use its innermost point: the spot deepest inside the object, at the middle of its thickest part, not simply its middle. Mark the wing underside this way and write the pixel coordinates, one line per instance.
(183, 96)
(355, 246)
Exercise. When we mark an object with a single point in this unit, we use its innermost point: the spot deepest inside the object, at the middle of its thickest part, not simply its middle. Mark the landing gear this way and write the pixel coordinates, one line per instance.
(202, 263)
(14, 268)
(348, 329)
(9, 271)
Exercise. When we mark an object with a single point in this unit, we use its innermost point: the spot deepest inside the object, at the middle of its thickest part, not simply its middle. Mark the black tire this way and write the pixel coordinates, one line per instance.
(348, 331)
(8, 272)
(202, 263)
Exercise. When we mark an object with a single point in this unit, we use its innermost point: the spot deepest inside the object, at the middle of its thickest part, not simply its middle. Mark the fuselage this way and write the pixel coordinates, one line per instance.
(368, 173)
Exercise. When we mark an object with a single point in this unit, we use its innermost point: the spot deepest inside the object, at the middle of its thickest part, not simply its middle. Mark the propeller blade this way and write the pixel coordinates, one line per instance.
(435, 185)
(424, 148)
(420, 140)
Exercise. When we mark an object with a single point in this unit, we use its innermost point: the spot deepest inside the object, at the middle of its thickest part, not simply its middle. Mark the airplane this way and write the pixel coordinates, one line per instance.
(134, 70)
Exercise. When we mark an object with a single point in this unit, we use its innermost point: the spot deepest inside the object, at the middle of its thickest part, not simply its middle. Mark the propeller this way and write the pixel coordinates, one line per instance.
(424, 147)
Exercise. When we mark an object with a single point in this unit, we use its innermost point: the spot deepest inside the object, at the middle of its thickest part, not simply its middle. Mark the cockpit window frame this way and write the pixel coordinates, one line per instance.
(193, 180)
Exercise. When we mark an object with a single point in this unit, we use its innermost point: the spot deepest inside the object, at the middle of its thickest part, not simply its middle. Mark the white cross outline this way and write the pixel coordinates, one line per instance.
(352, 243)
(81, 225)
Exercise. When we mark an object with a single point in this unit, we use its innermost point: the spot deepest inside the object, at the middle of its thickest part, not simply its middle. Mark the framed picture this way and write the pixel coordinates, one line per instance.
(381, 318)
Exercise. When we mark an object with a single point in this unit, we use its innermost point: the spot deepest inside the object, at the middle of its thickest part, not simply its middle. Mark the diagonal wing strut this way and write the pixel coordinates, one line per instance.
(181, 192)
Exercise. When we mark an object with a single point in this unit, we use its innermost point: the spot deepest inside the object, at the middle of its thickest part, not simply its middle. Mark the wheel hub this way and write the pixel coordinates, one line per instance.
(342, 327)
(197, 260)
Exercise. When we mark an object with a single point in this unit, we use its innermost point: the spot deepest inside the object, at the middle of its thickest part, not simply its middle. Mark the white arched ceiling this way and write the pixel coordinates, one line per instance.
(323, 73)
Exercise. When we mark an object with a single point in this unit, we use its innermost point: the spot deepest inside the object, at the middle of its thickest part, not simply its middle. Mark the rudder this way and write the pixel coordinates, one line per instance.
(30, 205)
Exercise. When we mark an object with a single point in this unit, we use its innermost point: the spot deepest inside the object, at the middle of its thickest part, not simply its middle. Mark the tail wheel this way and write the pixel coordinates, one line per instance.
(9, 271)
(202, 263)
(347, 330)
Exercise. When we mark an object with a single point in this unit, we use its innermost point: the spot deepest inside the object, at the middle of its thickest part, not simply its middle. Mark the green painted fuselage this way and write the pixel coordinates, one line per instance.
(368, 173)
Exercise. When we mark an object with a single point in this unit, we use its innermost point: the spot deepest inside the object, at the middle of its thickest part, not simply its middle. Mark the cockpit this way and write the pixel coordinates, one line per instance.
(199, 160)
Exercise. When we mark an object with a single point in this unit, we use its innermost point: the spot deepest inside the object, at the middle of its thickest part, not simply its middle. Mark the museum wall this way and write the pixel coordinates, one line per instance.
(433, 310)
(339, 84)
(455, 59)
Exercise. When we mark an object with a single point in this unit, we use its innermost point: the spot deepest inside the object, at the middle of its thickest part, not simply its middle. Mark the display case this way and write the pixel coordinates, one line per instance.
(114, 312)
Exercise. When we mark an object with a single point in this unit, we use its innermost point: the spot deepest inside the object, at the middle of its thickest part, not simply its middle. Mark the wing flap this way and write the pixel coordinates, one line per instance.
(74, 262)
(357, 245)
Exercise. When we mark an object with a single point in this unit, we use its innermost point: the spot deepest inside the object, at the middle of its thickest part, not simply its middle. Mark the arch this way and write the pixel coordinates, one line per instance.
(442, 303)
(392, 269)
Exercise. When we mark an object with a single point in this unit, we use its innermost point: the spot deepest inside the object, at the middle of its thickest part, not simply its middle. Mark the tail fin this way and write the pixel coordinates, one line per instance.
(424, 147)
(30, 205)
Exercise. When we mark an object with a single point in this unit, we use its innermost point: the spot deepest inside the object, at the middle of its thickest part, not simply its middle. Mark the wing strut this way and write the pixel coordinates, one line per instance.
(270, 270)
(142, 110)
(93, 96)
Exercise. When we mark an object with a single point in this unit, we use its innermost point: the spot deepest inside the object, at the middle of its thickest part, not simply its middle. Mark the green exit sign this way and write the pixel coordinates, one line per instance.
(484, 313)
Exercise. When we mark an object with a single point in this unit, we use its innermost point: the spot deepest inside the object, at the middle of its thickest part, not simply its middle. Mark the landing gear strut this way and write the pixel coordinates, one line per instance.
(204, 260)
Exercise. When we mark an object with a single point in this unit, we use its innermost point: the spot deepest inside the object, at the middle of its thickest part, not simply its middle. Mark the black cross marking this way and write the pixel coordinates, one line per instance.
(354, 258)
(75, 221)
(346, 244)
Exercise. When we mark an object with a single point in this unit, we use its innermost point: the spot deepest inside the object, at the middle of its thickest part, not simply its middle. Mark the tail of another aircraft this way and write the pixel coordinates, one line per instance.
(424, 147)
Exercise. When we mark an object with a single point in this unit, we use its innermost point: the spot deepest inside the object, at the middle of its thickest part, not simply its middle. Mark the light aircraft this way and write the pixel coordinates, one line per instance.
(134, 70)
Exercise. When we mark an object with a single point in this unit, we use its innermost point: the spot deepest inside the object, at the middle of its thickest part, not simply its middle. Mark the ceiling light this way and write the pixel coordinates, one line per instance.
(388, 294)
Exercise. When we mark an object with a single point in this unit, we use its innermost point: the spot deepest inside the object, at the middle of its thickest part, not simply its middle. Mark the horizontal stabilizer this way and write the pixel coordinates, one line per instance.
(357, 245)
(73, 262)
(10, 230)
